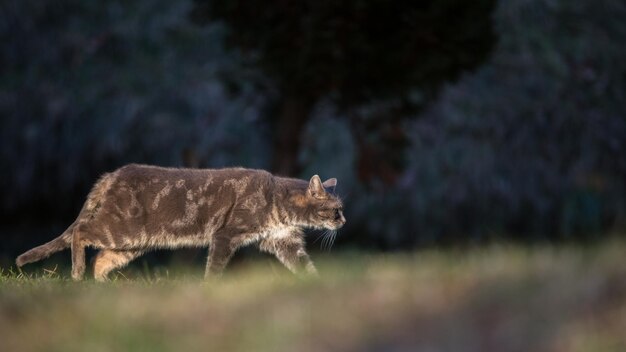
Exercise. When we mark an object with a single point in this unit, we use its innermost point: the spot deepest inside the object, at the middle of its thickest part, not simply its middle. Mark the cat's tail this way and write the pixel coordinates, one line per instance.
(45, 250)
(65, 239)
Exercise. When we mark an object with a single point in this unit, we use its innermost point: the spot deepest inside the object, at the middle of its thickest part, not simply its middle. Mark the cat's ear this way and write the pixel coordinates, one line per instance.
(316, 189)
(330, 185)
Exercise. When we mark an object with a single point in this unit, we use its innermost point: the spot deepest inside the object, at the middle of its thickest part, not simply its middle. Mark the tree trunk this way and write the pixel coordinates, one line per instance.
(293, 114)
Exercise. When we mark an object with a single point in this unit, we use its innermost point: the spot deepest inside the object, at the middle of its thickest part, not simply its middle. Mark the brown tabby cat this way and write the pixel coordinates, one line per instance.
(138, 207)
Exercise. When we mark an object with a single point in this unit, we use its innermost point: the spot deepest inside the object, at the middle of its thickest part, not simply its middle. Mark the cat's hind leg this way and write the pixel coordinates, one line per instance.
(78, 251)
(83, 235)
(108, 260)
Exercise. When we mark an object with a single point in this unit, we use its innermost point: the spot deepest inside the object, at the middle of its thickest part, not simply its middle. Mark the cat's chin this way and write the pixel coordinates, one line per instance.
(333, 227)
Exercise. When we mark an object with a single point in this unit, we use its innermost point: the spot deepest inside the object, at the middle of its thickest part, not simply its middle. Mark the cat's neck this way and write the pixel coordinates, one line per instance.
(290, 196)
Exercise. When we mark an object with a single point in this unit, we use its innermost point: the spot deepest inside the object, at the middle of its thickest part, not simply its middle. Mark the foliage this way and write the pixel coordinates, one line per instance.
(91, 86)
(531, 144)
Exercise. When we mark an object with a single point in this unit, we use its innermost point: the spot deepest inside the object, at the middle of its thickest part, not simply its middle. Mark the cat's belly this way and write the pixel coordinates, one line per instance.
(160, 239)
(169, 240)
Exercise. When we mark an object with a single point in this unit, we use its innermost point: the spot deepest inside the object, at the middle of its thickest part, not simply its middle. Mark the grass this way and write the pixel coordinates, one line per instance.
(498, 298)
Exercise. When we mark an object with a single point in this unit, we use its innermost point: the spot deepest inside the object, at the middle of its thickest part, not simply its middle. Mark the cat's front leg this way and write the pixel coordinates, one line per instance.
(291, 252)
(220, 252)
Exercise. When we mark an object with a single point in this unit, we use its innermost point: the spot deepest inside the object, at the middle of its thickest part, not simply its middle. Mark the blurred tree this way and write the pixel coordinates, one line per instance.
(87, 87)
(531, 145)
(377, 53)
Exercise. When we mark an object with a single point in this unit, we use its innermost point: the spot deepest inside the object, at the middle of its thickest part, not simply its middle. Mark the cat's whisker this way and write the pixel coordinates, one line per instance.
(321, 235)
(326, 239)
(332, 239)
(324, 235)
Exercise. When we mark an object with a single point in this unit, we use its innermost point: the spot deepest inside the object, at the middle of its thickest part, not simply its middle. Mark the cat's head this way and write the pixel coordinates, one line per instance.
(325, 207)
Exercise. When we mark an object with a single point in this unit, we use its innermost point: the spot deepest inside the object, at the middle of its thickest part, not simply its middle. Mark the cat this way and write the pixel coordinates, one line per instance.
(139, 207)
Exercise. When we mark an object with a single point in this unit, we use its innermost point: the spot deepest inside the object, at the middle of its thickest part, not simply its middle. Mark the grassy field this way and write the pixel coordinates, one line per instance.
(499, 298)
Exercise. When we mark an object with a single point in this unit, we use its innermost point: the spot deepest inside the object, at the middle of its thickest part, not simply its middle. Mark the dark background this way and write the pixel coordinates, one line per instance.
(447, 122)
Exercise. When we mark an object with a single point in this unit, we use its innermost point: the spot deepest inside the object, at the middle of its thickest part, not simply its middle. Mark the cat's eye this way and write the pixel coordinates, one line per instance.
(337, 214)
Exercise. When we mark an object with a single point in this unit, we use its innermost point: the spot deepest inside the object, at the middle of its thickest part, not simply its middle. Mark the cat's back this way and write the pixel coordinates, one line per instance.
(148, 181)
(152, 193)
(140, 173)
